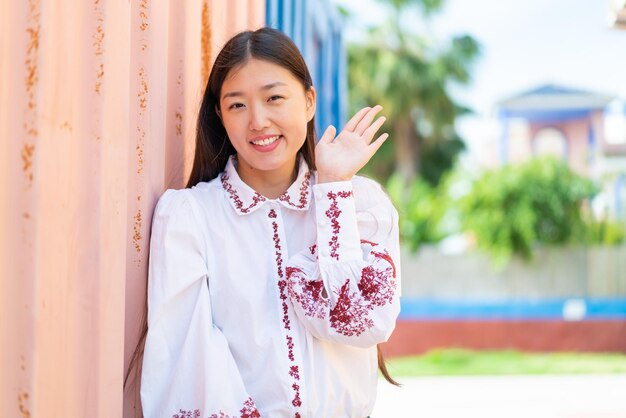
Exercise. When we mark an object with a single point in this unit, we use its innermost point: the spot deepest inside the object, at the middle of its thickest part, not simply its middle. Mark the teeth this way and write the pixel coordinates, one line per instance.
(266, 141)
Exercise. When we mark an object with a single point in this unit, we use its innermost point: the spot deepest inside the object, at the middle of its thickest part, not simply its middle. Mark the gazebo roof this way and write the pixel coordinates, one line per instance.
(551, 98)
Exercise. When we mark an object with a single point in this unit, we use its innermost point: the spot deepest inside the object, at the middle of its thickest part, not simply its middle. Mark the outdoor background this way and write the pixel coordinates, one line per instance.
(507, 163)
(508, 166)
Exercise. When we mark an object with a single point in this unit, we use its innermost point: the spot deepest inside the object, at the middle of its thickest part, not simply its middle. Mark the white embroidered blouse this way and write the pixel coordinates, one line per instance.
(269, 307)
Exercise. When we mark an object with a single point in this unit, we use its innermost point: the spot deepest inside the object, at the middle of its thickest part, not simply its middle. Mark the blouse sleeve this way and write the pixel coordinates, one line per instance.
(188, 370)
(346, 287)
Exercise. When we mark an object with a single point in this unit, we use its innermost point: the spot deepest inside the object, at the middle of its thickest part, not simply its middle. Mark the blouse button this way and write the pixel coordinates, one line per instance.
(321, 222)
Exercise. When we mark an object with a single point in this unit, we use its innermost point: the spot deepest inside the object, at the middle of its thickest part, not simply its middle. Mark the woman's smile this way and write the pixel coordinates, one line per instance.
(266, 143)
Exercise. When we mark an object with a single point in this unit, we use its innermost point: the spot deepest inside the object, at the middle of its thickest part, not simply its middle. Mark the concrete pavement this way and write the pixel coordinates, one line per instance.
(562, 396)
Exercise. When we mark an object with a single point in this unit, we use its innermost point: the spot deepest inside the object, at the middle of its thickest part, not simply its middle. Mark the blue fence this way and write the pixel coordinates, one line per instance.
(315, 26)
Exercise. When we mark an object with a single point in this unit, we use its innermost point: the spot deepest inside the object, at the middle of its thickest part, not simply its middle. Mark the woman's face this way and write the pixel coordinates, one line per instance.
(265, 111)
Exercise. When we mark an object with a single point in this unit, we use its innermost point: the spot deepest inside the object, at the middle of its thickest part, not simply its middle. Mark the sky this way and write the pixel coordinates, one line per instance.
(524, 44)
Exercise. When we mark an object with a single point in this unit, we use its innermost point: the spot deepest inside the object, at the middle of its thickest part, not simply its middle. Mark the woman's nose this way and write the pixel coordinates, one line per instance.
(258, 118)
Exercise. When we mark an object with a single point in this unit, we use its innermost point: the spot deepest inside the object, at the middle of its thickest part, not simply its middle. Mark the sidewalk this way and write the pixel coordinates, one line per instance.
(563, 396)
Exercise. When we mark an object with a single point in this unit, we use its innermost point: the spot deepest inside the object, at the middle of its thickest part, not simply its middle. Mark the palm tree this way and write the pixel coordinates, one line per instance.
(402, 70)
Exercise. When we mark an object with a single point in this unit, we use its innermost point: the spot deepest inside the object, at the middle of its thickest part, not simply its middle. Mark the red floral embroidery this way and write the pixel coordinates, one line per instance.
(349, 316)
(333, 213)
(256, 199)
(276, 238)
(282, 286)
(290, 348)
(307, 293)
(283, 297)
(385, 256)
(187, 414)
(376, 287)
(248, 411)
(304, 193)
(296, 400)
(377, 284)
(294, 371)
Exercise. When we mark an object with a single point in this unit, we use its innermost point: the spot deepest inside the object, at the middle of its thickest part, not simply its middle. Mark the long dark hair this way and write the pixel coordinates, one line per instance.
(213, 148)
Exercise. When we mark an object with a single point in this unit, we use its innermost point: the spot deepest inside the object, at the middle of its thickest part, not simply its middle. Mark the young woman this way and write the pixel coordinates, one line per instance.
(274, 275)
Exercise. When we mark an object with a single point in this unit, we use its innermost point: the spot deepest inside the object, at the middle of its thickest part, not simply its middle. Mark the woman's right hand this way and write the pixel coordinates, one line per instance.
(340, 158)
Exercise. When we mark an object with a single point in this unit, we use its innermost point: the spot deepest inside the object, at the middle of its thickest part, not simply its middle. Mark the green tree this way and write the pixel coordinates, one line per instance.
(409, 74)
(511, 209)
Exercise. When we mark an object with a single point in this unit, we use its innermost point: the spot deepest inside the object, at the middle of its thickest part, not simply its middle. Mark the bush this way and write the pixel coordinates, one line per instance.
(511, 209)
(421, 208)
(606, 232)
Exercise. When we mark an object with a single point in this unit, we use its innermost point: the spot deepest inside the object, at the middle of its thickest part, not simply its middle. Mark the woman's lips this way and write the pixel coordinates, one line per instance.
(266, 144)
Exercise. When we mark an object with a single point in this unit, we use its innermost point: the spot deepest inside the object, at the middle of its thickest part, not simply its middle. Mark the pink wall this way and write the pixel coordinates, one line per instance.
(579, 155)
(98, 113)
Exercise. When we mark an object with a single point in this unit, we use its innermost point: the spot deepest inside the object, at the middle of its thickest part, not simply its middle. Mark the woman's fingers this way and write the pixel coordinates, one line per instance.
(329, 135)
(367, 119)
(354, 121)
(371, 131)
(379, 141)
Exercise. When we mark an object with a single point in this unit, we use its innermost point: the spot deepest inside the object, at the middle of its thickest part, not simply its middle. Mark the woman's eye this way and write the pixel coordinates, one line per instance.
(235, 106)
(274, 98)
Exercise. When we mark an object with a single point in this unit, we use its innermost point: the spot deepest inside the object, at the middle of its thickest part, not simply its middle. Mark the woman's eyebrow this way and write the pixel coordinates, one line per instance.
(272, 85)
(265, 87)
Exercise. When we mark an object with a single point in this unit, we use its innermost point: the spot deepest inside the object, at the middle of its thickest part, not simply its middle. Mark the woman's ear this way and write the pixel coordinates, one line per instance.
(218, 113)
(310, 103)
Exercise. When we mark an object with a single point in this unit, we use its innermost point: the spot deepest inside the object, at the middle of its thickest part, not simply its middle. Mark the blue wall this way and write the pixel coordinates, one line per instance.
(315, 27)
(520, 309)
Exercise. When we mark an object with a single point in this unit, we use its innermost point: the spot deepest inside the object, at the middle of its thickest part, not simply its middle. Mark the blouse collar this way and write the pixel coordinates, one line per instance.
(246, 200)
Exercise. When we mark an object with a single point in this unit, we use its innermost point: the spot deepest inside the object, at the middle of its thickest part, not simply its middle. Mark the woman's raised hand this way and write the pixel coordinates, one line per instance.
(340, 158)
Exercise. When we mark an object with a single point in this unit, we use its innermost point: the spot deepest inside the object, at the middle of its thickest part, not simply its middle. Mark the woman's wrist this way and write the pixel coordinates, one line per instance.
(329, 178)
